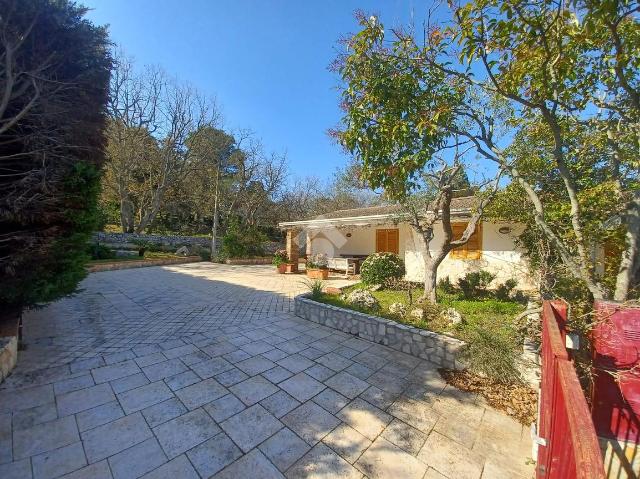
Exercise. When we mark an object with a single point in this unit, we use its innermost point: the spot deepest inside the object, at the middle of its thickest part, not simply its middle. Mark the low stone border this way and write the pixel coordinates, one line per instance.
(8, 355)
(434, 347)
(248, 261)
(95, 268)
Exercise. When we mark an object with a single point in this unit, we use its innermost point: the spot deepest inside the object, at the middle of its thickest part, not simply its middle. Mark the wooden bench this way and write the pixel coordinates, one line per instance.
(342, 264)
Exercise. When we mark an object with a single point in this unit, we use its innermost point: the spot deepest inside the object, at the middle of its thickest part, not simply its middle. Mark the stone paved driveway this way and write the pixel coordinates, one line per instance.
(201, 370)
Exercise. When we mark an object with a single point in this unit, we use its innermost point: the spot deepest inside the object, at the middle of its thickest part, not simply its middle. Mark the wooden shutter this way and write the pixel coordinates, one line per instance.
(472, 249)
(388, 240)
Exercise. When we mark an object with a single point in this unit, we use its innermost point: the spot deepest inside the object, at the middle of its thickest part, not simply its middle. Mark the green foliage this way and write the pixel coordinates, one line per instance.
(280, 257)
(503, 291)
(474, 284)
(446, 285)
(493, 354)
(315, 287)
(379, 267)
(100, 251)
(50, 159)
(242, 241)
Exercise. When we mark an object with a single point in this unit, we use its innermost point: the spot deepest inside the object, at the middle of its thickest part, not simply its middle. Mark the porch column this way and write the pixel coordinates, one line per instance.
(293, 249)
(308, 244)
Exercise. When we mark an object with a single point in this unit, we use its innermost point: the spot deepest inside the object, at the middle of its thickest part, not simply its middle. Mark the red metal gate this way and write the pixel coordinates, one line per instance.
(570, 447)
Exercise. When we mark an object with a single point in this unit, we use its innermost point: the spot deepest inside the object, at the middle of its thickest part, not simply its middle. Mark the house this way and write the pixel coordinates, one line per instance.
(357, 233)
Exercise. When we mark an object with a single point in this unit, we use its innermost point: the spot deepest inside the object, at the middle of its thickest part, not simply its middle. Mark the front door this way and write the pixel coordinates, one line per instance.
(388, 240)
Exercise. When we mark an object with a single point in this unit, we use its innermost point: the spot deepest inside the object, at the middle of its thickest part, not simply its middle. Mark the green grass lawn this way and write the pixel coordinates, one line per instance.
(487, 313)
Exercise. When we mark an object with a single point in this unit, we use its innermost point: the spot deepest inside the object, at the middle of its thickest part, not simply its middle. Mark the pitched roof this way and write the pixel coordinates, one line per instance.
(462, 203)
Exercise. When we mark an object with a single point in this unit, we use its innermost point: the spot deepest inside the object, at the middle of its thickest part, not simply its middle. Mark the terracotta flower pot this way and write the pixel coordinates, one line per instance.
(318, 273)
(282, 268)
(291, 268)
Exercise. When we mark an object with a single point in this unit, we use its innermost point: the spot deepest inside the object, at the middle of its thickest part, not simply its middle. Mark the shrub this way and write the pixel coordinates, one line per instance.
(242, 241)
(503, 291)
(492, 354)
(316, 287)
(362, 299)
(99, 251)
(474, 285)
(446, 286)
(280, 257)
(318, 261)
(380, 267)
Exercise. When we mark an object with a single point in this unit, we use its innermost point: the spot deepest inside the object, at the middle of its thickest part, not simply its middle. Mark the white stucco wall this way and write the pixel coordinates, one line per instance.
(500, 255)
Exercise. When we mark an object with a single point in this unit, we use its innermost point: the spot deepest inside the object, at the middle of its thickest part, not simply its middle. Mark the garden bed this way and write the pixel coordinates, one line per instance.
(249, 261)
(437, 348)
(135, 262)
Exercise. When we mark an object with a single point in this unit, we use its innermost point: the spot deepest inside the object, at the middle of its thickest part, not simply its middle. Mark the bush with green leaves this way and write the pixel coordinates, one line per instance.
(446, 286)
(280, 257)
(100, 251)
(503, 291)
(474, 284)
(242, 241)
(380, 267)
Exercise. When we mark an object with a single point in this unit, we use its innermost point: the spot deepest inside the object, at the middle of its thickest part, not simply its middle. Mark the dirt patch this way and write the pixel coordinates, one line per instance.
(518, 401)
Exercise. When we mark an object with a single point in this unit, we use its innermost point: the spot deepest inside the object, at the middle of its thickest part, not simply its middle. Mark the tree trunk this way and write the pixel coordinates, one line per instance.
(126, 215)
(214, 228)
(430, 281)
(630, 254)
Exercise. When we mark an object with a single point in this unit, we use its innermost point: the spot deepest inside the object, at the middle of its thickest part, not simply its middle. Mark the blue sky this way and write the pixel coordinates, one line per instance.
(265, 61)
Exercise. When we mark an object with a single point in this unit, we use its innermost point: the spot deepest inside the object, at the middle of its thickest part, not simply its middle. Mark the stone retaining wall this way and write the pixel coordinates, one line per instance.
(160, 240)
(428, 345)
(8, 355)
(248, 261)
(95, 268)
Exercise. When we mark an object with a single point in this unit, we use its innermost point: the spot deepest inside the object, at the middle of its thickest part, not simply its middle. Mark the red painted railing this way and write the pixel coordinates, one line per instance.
(570, 447)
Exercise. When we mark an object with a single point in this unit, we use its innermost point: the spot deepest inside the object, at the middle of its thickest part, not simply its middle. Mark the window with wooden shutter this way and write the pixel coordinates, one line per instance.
(387, 240)
(472, 249)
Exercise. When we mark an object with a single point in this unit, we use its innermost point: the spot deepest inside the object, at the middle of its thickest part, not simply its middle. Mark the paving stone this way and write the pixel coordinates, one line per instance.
(462, 429)
(383, 460)
(177, 468)
(184, 432)
(346, 384)
(30, 417)
(295, 363)
(61, 461)
(213, 455)
(20, 399)
(253, 390)
(77, 401)
(255, 365)
(415, 413)
(231, 377)
(347, 442)
(224, 407)
(302, 387)
(115, 371)
(444, 455)
(111, 438)
(277, 374)
(320, 372)
(219, 349)
(73, 384)
(310, 422)
(331, 400)
(251, 465)
(387, 382)
(256, 347)
(201, 393)
(146, 349)
(150, 359)
(499, 469)
(274, 354)
(144, 396)
(433, 474)
(321, 463)
(118, 357)
(208, 369)
(182, 380)
(172, 343)
(359, 371)
(166, 369)
(98, 416)
(86, 364)
(6, 444)
(195, 357)
(251, 426)
(163, 412)
(236, 356)
(16, 470)
(99, 470)
(45, 437)
(292, 347)
(404, 436)
(137, 460)
(367, 419)
(284, 448)
(279, 404)
(379, 398)
(180, 351)
(130, 382)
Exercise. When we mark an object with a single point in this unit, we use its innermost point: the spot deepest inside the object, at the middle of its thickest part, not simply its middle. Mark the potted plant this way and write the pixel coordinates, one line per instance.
(280, 261)
(317, 266)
